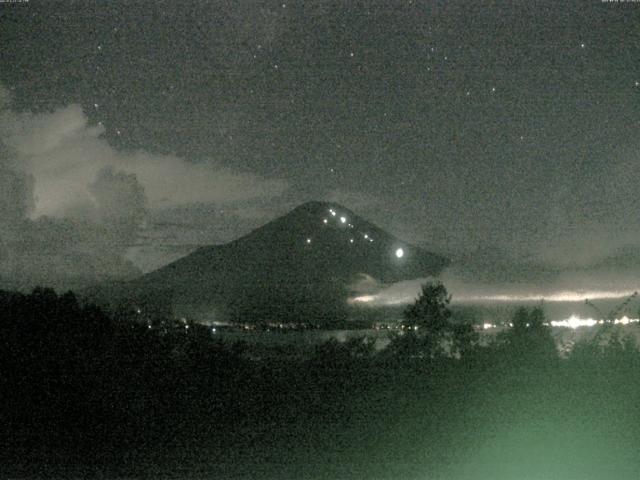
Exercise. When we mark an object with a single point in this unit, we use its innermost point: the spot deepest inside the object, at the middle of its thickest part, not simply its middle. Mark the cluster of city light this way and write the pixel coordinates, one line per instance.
(575, 322)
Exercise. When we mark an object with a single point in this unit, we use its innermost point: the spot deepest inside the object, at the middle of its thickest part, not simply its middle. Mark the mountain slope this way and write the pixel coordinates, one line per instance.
(299, 265)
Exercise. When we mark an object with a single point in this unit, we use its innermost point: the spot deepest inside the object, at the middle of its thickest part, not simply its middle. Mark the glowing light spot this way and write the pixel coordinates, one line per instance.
(308, 241)
(333, 213)
(574, 322)
(363, 299)
(366, 236)
(399, 253)
(351, 240)
(343, 220)
(624, 320)
(324, 220)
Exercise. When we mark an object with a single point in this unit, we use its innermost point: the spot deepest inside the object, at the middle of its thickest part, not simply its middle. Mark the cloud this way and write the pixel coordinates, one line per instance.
(37, 134)
(65, 153)
(171, 181)
(71, 205)
(399, 293)
(120, 202)
(67, 252)
(16, 191)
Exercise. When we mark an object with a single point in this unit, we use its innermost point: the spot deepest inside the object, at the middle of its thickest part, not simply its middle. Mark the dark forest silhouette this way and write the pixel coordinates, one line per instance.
(85, 393)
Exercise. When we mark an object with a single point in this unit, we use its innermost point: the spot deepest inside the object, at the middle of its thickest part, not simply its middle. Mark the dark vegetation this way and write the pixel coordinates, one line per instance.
(84, 395)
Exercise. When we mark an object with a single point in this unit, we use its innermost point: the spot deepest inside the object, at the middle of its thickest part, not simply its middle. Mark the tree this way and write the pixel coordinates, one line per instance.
(464, 339)
(431, 309)
(530, 337)
(431, 332)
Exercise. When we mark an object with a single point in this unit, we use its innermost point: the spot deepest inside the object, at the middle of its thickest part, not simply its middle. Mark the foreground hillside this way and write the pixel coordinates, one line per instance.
(86, 396)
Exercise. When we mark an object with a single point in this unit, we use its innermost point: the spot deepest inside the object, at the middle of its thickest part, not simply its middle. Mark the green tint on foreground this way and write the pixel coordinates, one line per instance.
(118, 401)
(507, 425)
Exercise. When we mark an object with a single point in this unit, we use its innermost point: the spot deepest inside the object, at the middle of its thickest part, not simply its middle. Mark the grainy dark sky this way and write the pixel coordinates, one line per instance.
(456, 125)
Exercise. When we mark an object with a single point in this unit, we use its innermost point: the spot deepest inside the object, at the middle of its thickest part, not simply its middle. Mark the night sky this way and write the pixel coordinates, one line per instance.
(134, 131)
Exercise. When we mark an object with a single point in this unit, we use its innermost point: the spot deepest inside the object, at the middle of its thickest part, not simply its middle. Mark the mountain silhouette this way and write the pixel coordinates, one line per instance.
(295, 268)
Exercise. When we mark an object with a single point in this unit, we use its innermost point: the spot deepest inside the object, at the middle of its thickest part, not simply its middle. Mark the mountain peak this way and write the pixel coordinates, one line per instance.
(307, 258)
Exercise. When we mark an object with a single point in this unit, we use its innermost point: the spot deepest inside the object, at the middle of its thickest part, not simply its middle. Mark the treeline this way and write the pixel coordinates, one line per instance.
(85, 394)
(81, 388)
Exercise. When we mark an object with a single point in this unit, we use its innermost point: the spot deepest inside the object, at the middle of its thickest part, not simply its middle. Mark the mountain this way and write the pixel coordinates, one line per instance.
(297, 266)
